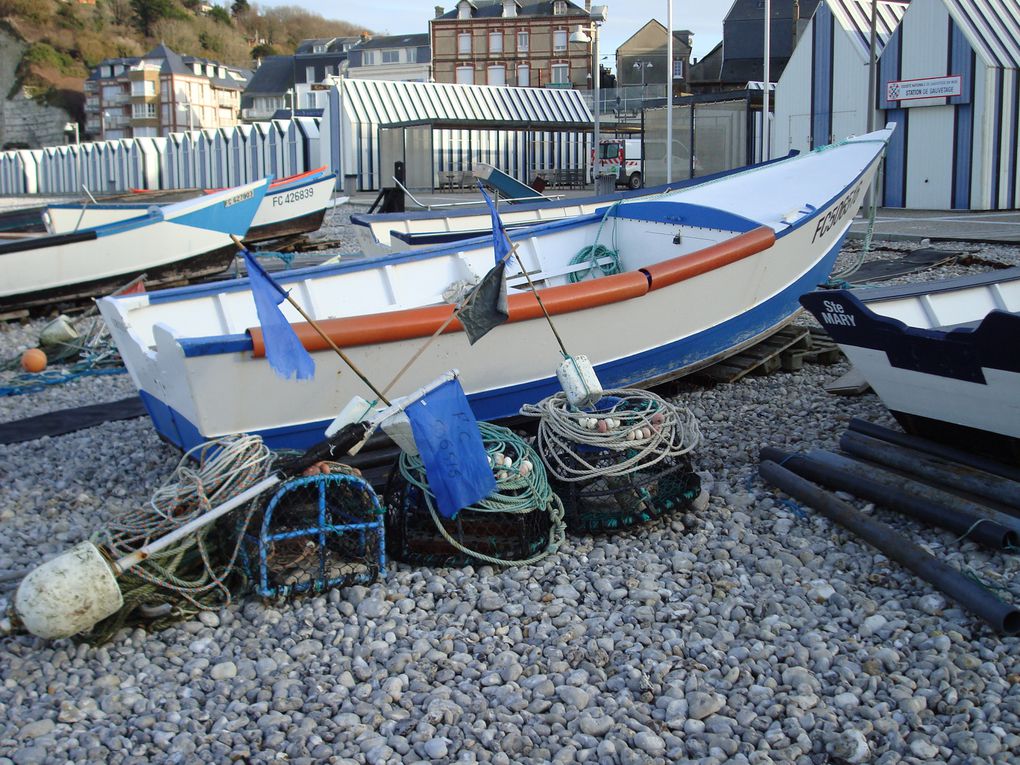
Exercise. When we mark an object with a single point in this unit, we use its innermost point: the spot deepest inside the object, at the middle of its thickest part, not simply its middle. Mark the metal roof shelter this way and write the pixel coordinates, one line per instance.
(950, 78)
(519, 130)
(823, 93)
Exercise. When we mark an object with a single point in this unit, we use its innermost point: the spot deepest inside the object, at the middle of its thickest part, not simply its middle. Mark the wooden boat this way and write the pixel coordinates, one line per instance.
(183, 240)
(295, 205)
(941, 355)
(700, 277)
(382, 233)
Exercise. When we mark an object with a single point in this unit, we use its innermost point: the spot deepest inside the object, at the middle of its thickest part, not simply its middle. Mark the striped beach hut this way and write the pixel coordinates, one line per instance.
(822, 95)
(949, 77)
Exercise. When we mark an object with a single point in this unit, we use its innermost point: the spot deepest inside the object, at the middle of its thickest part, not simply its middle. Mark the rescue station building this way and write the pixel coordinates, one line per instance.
(948, 76)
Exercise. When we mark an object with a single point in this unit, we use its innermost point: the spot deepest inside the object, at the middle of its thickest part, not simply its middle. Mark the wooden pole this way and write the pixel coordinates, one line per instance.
(328, 340)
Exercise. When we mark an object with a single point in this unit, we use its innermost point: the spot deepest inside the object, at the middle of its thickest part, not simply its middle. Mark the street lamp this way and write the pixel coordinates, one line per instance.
(643, 66)
(72, 127)
(597, 16)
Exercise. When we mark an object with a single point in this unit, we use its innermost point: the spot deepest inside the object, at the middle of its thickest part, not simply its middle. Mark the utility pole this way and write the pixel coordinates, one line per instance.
(765, 83)
(669, 91)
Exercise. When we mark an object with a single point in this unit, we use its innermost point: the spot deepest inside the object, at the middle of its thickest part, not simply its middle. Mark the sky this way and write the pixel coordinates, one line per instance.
(703, 17)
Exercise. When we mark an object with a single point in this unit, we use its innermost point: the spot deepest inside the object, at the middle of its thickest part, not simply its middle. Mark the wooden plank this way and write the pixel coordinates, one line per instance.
(850, 384)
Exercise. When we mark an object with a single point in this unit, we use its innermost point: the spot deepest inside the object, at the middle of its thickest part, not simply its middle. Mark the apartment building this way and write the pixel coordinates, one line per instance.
(511, 42)
(159, 93)
(402, 58)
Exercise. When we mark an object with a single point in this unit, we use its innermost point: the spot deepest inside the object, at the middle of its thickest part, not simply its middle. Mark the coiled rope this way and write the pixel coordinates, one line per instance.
(190, 576)
(638, 423)
(520, 489)
(595, 252)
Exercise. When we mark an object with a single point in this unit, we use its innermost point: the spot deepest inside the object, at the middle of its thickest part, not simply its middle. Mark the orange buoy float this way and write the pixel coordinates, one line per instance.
(33, 360)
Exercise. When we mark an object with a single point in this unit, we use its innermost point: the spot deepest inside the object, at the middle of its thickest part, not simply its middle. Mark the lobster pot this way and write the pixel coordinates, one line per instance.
(610, 503)
(521, 521)
(315, 533)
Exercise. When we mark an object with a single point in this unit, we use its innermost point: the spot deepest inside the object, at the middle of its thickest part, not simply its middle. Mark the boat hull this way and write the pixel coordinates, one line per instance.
(719, 281)
(958, 383)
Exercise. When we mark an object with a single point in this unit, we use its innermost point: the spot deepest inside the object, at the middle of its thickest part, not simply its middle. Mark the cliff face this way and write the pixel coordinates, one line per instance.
(24, 123)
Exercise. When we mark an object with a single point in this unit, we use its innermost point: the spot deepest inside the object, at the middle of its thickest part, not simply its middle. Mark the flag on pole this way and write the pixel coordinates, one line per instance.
(446, 434)
(286, 355)
(485, 306)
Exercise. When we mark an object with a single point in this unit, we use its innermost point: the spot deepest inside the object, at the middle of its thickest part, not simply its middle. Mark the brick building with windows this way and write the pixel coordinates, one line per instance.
(160, 93)
(511, 42)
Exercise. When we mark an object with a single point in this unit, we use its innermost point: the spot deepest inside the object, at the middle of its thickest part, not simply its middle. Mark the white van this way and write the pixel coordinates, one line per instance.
(621, 157)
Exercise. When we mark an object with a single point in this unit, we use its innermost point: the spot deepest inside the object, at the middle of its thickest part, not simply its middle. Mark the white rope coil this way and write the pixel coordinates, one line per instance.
(637, 423)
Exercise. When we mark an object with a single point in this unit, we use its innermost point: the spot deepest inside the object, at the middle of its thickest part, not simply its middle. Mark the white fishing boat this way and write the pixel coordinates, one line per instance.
(941, 355)
(676, 285)
(294, 205)
(383, 233)
(168, 244)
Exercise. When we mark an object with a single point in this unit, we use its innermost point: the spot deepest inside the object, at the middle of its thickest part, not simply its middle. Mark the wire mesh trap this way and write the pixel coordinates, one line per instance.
(519, 523)
(316, 533)
(623, 462)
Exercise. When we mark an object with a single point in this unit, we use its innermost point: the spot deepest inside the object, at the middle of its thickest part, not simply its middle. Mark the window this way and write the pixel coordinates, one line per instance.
(318, 48)
(143, 88)
(391, 56)
(495, 42)
(522, 42)
(678, 69)
(465, 75)
(310, 101)
(309, 74)
(107, 71)
(143, 111)
(560, 74)
(464, 43)
(559, 8)
(524, 75)
(560, 39)
(497, 75)
(463, 9)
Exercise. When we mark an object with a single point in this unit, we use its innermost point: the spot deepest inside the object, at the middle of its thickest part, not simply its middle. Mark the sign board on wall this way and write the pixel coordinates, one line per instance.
(924, 87)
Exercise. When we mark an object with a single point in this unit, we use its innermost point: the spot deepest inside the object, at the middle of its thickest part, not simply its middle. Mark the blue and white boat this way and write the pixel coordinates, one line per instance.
(675, 285)
(167, 244)
(383, 233)
(295, 205)
(941, 355)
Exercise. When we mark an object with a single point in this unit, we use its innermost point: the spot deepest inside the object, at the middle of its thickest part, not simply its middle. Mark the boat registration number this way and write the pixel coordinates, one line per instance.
(848, 204)
(239, 198)
(293, 196)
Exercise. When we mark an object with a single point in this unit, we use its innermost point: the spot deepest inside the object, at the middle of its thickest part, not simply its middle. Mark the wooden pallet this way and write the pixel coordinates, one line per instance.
(786, 349)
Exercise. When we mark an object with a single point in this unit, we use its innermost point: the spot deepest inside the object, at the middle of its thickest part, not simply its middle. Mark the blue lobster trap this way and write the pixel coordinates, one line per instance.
(316, 533)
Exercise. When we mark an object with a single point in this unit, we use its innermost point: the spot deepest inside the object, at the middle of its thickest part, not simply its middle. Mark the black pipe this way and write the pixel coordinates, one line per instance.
(933, 469)
(934, 448)
(976, 527)
(1001, 616)
(920, 490)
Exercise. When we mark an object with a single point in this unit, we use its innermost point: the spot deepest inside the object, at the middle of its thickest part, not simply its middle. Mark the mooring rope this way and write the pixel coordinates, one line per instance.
(637, 422)
(521, 488)
(191, 575)
(594, 252)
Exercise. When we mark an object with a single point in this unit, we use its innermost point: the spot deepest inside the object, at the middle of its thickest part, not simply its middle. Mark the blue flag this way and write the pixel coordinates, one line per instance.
(451, 448)
(500, 243)
(286, 355)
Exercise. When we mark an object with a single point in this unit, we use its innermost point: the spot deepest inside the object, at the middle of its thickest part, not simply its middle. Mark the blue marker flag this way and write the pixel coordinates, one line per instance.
(500, 244)
(446, 434)
(284, 351)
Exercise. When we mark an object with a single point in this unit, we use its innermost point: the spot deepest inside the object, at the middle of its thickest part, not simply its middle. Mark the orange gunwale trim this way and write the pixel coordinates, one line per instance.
(393, 326)
(715, 256)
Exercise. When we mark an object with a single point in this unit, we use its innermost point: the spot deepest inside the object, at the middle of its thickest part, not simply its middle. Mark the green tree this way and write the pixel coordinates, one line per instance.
(148, 12)
(239, 8)
(219, 13)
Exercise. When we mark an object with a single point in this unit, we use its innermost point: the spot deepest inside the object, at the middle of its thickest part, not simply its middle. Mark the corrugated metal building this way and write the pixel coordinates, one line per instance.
(949, 75)
(959, 150)
(823, 94)
(438, 128)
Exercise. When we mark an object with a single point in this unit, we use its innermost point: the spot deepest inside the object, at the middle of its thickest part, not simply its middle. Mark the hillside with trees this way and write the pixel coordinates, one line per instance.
(58, 43)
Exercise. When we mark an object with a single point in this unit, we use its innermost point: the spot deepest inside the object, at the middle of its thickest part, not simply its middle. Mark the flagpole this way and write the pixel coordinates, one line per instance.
(329, 341)
(538, 297)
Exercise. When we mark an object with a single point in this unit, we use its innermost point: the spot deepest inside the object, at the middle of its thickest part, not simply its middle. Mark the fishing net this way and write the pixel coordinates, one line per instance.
(520, 523)
(315, 533)
(198, 572)
(623, 462)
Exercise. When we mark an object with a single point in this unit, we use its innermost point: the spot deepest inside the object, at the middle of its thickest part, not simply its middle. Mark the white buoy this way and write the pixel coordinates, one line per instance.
(578, 380)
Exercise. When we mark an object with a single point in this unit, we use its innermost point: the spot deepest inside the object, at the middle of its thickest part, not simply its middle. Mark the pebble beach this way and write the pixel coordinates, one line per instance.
(753, 631)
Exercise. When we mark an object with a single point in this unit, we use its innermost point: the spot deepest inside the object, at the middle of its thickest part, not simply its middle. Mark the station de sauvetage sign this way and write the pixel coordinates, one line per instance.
(924, 87)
